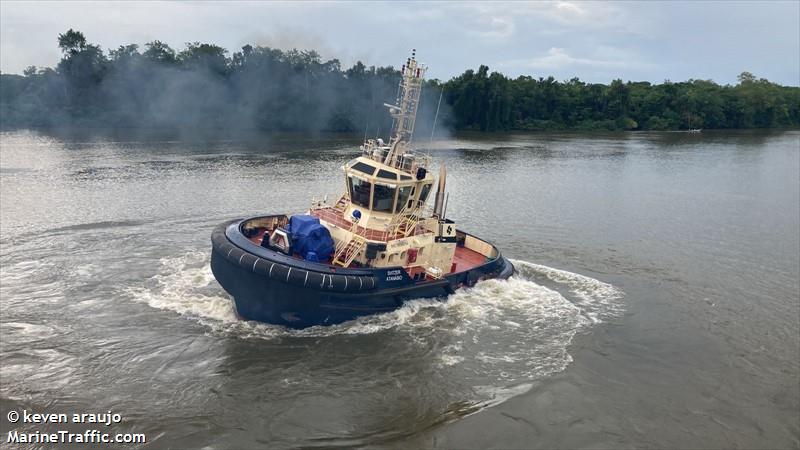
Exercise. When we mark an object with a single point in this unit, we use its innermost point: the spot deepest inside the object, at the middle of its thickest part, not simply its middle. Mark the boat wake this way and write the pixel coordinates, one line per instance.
(186, 286)
(498, 336)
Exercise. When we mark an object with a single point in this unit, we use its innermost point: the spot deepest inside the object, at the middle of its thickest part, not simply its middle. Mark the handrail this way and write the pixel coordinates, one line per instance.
(347, 250)
(408, 216)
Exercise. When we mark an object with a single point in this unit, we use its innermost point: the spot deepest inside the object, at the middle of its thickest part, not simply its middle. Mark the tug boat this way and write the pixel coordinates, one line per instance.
(377, 246)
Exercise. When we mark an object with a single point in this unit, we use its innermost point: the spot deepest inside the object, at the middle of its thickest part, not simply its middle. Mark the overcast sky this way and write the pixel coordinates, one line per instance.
(596, 42)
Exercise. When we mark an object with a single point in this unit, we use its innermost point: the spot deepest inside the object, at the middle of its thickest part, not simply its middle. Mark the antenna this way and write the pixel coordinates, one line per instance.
(436, 117)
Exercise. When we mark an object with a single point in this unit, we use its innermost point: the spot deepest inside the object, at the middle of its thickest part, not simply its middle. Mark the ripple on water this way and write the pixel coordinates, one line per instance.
(49, 370)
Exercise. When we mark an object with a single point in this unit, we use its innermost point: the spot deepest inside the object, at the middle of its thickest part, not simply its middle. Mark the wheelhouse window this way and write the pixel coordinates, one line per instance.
(384, 197)
(361, 167)
(359, 191)
(386, 174)
(423, 195)
(402, 198)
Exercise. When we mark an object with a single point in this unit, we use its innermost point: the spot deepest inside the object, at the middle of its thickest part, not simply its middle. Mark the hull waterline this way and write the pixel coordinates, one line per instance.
(270, 287)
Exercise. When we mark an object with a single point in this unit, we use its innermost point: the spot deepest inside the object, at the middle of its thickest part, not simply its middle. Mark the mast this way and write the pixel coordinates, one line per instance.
(404, 113)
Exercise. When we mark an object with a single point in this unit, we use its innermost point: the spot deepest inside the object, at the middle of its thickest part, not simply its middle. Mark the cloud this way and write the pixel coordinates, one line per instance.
(555, 59)
(593, 40)
(558, 59)
(496, 27)
(562, 15)
(568, 11)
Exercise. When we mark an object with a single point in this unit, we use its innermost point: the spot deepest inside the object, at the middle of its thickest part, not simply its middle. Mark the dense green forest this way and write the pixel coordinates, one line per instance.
(204, 86)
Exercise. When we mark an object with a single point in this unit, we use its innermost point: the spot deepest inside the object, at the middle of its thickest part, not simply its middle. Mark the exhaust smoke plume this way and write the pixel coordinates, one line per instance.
(206, 88)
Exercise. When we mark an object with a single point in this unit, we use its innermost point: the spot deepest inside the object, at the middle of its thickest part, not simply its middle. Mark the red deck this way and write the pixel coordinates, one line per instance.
(466, 259)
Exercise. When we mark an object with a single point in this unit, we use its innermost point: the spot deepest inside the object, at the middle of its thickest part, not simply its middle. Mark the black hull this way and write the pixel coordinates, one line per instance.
(270, 287)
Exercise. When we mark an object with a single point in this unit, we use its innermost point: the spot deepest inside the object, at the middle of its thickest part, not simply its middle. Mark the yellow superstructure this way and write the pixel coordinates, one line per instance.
(382, 219)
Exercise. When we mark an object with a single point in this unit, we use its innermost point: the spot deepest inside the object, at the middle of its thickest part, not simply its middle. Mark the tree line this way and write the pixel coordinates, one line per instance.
(205, 86)
(484, 101)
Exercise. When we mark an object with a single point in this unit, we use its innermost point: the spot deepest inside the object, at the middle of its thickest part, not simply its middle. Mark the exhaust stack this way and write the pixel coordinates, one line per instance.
(438, 205)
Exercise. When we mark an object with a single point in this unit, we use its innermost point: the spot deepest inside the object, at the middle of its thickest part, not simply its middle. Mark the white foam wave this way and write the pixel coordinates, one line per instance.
(596, 299)
(186, 286)
(511, 330)
(498, 335)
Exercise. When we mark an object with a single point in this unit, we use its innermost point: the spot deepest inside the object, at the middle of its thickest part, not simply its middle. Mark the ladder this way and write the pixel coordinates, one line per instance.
(342, 203)
(404, 223)
(346, 251)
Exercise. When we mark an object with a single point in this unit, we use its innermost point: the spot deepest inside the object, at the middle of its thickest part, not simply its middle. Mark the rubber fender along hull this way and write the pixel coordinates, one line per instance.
(271, 287)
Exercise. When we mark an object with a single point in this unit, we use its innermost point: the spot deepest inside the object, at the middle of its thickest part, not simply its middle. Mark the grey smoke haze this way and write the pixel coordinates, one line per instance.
(205, 91)
(596, 41)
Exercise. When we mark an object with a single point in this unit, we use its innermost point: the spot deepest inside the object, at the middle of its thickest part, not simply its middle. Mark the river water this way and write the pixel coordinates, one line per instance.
(657, 300)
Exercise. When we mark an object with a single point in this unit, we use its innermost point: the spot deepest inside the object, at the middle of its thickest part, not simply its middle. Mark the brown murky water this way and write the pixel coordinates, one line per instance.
(657, 303)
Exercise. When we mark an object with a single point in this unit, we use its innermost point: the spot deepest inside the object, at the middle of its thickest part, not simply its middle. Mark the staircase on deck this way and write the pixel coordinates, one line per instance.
(346, 251)
(342, 203)
(405, 222)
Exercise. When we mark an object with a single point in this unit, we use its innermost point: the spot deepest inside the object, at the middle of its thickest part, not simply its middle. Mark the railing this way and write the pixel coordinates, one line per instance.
(410, 161)
(346, 251)
(374, 150)
(343, 243)
(407, 220)
(340, 204)
(336, 217)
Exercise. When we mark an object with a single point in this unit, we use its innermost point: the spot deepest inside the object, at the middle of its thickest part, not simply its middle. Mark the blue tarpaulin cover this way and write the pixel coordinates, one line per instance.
(308, 235)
